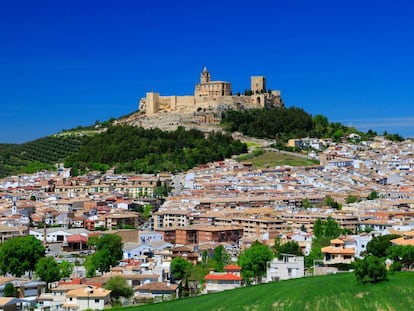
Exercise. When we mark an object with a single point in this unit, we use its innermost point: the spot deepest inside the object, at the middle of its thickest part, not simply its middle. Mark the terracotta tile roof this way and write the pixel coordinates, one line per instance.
(338, 250)
(181, 249)
(403, 241)
(77, 238)
(5, 300)
(222, 277)
(141, 276)
(232, 268)
(156, 286)
(93, 292)
(67, 287)
(337, 241)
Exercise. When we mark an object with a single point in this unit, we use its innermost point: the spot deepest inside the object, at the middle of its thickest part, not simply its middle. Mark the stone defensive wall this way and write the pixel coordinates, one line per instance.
(153, 103)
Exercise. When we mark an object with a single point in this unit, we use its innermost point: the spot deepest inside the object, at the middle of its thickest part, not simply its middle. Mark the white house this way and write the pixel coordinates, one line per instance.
(135, 250)
(57, 235)
(149, 236)
(339, 252)
(88, 297)
(359, 242)
(156, 291)
(289, 267)
(220, 281)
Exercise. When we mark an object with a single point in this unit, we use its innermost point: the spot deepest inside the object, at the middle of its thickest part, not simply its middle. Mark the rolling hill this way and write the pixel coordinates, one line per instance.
(332, 292)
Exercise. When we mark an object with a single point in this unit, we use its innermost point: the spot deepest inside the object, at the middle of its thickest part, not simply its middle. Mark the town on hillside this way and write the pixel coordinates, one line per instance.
(171, 235)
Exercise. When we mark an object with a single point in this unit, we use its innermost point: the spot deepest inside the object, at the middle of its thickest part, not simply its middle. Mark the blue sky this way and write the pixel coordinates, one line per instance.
(70, 63)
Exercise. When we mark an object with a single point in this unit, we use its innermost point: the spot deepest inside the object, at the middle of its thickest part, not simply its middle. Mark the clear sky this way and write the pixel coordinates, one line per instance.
(70, 63)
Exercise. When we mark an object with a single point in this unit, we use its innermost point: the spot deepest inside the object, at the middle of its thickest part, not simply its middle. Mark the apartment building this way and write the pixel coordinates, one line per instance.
(253, 226)
(170, 218)
(295, 220)
(202, 234)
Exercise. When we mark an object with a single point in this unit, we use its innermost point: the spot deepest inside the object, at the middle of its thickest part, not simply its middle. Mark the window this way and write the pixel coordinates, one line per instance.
(96, 300)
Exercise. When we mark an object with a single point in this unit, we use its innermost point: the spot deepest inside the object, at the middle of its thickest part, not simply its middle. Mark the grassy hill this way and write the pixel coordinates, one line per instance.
(271, 159)
(333, 292)
(38, 154)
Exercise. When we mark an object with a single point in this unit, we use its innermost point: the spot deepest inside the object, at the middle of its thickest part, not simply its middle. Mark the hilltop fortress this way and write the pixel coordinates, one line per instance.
(212, 96)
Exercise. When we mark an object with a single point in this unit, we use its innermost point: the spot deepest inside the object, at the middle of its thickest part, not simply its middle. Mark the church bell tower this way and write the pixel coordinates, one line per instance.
(205, 76)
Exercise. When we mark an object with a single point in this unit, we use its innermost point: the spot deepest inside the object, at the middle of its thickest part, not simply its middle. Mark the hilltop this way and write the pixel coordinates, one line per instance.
(332, 292)
(91, 148)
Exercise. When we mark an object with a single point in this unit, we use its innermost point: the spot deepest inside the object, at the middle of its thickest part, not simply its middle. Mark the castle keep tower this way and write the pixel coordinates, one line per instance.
(258, 84)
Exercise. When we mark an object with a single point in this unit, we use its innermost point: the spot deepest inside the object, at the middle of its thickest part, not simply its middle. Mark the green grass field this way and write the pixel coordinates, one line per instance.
(271, 159)
(330, 293)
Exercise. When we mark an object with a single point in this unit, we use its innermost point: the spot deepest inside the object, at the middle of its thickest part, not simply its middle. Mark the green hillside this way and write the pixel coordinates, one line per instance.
(38, 154)
(135, 149)
(333, 292)
(131, 149)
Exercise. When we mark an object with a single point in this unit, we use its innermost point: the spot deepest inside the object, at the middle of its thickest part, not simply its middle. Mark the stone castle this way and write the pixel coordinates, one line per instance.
(214, 96)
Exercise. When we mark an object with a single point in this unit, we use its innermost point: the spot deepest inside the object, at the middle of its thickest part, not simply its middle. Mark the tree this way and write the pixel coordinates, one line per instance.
(112, 243)
(290, 247)
(379, 245)
(253, 261)
(351, 199)
(108, 254)
(161, 190)
(320, 125)
(180, 268)
(327, 230)
(306, 203)
(318, 228)
(65, 269)
(324, 231)
(47, 269)
(373, 195)
(10, 291)
(90, 266)
(370, 269)
(128, 148)
(20, 255)
(329, 201)
(147, 211)
(371, 134)
(103, 260)
(221, 257)
(119, 287)
(332, 230)
(337, 135)
(402, 255)
(92, 241)
(315, 253)
(204, 257)
(198, 272)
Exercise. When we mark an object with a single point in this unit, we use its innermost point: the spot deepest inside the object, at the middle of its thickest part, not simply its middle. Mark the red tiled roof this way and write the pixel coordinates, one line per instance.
(157, 286)
(223, 277)
(77, 238)
(232, 268)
